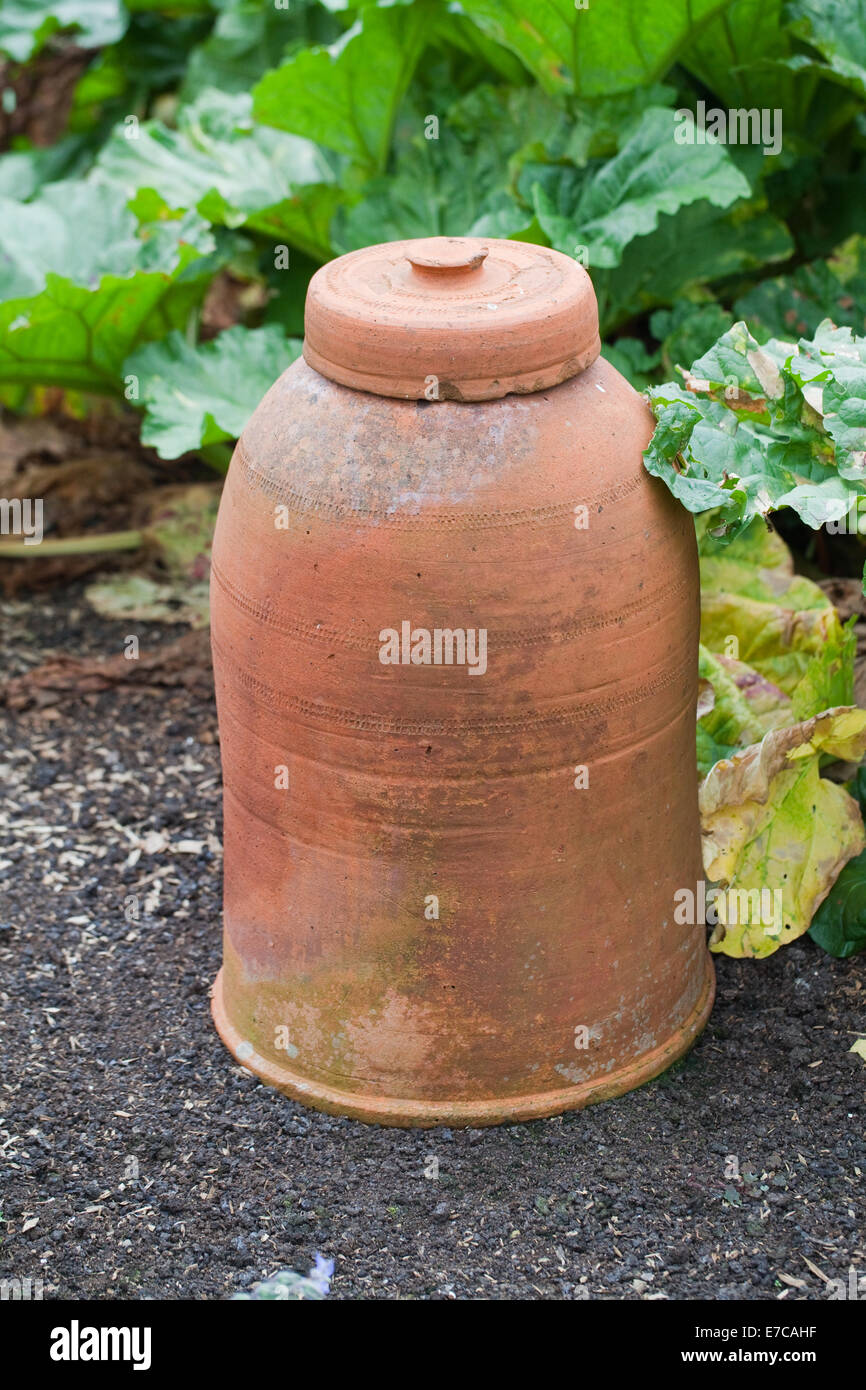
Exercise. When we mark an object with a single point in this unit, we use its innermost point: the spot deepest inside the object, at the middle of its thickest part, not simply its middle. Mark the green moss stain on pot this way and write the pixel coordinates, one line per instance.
(455, 644)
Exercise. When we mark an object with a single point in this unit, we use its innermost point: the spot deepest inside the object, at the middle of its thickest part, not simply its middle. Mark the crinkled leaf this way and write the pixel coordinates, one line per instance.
(84, 282)
(606, 208)
(504, 125)
(233, 171)
(698, 482)
(429, 195)
(600, 126)
(771, 822)
(197, 396)
(835, 361)
(453, 186)
(739, 362)
(710, 459)
(75, 228)
(774, 424)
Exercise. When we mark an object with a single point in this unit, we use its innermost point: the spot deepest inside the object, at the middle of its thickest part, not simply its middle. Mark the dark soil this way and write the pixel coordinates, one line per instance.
(141, 1162)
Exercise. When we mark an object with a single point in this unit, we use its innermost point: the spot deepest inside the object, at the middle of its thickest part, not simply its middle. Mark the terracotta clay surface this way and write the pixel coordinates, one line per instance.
(463, 318)
(426, 920)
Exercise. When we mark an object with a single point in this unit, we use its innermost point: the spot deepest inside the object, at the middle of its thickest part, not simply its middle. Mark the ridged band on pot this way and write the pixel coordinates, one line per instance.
(450, 885)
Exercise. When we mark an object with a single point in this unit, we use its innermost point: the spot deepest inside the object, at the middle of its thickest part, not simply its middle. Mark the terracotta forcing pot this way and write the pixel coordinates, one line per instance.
(455, 630)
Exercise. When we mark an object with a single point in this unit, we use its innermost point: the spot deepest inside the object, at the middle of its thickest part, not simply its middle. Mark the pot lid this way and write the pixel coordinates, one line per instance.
(451, 318)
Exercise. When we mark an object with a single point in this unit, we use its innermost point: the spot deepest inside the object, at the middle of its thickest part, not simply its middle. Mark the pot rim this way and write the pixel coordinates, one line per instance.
(420, 1114)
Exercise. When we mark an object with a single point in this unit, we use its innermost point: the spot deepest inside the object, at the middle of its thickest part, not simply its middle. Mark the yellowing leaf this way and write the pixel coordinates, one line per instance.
(777, 641)
(859, 1047)
(736, 707)
(756, 609)
(776, 834)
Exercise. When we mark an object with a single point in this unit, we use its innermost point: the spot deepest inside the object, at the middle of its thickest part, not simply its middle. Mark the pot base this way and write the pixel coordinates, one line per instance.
(420, 1114)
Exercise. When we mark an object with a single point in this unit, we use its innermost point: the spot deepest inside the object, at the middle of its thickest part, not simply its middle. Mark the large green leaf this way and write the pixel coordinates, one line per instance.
(457, 30)
(233, 171)
(604, 46)
(84, 282)
(76, 227)
(197, 396)
(346, 96)
(609, 206)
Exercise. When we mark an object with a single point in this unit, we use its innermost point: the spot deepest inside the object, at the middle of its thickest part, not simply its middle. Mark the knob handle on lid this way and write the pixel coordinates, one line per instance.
(446, 255)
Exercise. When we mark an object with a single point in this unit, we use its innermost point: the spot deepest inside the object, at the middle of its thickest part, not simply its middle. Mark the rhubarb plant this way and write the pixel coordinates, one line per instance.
(752, 429)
